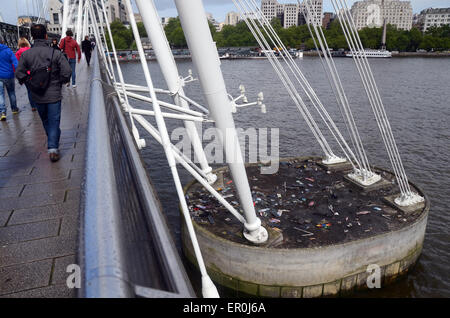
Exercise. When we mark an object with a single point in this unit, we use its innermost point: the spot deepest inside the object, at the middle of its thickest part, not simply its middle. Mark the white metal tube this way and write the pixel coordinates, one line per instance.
(85, 21)
(169, 70)
(65, 17)
(100, 47)
(70, 18)
(206, 60)
(208, 288)
(178, 156)
(79, 20)
(137, 88)
(161, 103)
(166, 115)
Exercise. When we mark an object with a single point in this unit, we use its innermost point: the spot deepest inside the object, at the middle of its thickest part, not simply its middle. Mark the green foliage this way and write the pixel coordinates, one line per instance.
(436, 38)
(123, 37)
(141, 28)
(175, 34)
(238, 35)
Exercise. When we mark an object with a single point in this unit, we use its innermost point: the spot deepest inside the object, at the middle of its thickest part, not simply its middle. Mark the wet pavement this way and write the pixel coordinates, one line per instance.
(39, 200)
(307, 204)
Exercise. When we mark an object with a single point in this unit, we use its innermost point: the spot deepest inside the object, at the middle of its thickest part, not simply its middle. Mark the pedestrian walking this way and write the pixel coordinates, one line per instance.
(48, 70)
(86, 48)
(8, 63)
(24, 45)
(54, 44)
(71, 48)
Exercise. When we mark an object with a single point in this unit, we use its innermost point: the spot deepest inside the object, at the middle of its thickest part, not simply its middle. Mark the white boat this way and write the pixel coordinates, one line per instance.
(381, 53)
(372, 53)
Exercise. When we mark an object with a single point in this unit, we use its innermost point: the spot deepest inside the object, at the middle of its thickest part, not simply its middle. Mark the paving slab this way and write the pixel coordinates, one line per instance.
(25, 276)
(39, 200)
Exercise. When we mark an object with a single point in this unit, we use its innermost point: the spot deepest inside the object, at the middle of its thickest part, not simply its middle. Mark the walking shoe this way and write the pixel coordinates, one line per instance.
(68, 85)
(74, 86)
(3, 117)
(33, 109)
(54, 156)
(15, 111)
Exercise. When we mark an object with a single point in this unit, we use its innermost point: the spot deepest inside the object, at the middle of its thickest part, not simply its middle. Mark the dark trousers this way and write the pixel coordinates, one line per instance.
(9, 84)
(51, 117)
(73, 66)
(30, 98)
(88, 57)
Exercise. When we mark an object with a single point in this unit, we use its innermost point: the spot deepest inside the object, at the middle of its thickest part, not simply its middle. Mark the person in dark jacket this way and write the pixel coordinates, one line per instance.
(8, 62)
(70, 47)
(49, 104)
(54, 44)
(86, 48)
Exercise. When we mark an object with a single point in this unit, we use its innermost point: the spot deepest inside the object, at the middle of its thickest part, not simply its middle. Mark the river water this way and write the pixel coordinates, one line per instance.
(416, 94)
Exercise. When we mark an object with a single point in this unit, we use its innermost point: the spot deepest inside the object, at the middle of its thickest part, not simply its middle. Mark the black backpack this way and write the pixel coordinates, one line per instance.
(39, 79)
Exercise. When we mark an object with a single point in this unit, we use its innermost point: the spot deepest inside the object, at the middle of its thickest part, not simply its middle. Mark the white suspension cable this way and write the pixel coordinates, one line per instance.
(315, 100)
(381, 107)
(291, 65)
(337, 87)
(209, 290)
(286, 81)
(364, 69)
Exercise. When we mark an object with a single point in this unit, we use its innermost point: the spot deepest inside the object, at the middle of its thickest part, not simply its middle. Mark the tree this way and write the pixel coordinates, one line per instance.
(141, 28)
(123, 37)
(175, 34)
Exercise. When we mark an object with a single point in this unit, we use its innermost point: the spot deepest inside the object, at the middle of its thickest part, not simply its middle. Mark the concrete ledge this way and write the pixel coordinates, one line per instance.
(332, 270)
(345, 166)
(383, 183)
(406, 209)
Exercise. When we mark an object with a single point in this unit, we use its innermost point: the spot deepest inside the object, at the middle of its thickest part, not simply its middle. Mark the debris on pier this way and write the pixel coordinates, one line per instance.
(309, 205)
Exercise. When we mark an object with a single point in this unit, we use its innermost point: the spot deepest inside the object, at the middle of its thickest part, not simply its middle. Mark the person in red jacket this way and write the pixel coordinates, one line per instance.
(71, 48)
(24, 45)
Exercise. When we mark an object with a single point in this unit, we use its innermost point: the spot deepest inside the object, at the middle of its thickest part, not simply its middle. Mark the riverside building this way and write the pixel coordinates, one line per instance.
(372, 13)
(434, 18)
(232, 18)
(291, 14)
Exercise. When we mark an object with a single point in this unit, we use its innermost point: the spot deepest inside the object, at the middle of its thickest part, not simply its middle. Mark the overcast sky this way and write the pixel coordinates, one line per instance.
(218, 8)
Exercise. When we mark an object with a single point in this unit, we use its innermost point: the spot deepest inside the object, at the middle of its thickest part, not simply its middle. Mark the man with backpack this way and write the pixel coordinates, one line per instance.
(44, 69)
(8, 62)
(71, 49)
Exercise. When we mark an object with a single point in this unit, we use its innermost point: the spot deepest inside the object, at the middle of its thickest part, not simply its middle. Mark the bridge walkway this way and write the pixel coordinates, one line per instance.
(39, 200)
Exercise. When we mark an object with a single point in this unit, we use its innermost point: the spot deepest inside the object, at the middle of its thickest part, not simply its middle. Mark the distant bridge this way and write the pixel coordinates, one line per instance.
(8, 32)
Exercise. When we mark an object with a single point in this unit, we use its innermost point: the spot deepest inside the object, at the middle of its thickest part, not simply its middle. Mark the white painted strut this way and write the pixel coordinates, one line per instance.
(79, 21)
(206, 60)
(65, 17)
(169, 70)
(209, 290)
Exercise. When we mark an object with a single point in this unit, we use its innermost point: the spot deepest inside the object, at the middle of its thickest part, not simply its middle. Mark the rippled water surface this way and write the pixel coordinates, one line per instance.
(416, 94)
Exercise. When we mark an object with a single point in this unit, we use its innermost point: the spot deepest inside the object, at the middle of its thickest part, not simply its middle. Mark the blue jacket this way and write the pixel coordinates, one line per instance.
(7, 60)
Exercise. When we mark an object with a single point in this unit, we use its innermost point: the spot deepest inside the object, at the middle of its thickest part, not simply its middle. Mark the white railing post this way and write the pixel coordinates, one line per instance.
(65, 17)
(206, 60)
(169, 70)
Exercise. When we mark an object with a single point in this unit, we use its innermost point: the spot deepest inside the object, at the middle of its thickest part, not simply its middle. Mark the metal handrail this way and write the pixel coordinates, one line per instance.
(107, 271)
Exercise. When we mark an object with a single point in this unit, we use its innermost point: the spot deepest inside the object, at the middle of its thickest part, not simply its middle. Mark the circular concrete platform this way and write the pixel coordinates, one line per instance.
(329, 255)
